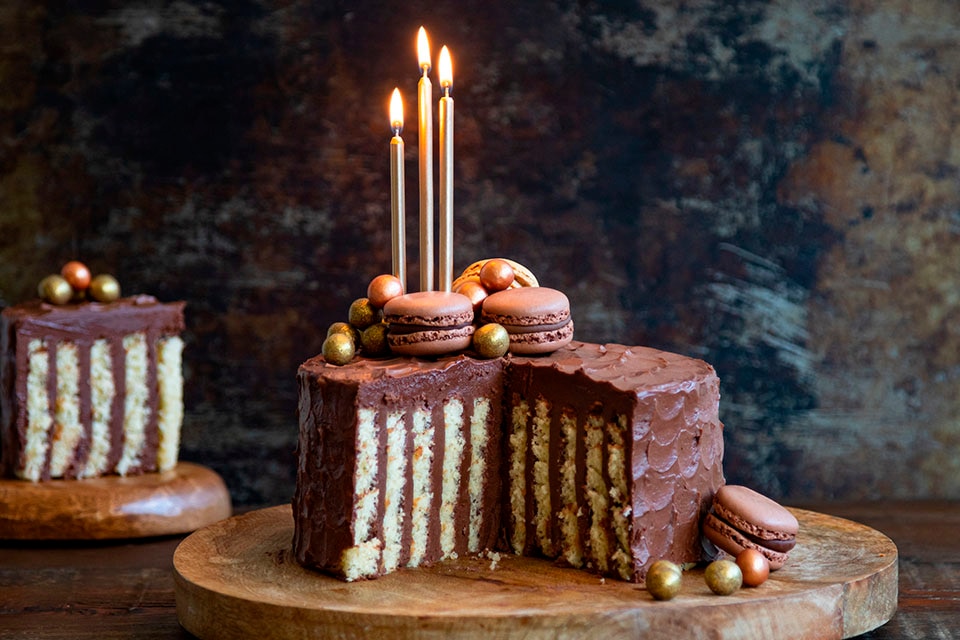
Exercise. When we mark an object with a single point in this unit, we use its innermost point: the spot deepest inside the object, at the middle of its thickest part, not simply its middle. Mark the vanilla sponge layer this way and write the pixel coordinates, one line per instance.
(62, 440)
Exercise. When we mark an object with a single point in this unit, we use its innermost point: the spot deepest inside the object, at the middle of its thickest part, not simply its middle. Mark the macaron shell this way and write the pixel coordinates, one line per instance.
(538, 342)
(755, 514)
(431, 342)
(429, 309)
(728, 539)
(526, 307)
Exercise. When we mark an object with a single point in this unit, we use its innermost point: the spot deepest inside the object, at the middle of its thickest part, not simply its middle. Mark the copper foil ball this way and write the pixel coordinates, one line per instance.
(384, 288)
(723, 577)
(104, 288)
(374, 340)
(55, 289)
(475, 291)
(77, 274)
(754, 566)
(363, 313)
(491, 341)
(338, 349)
(496, 274)
(663, 580)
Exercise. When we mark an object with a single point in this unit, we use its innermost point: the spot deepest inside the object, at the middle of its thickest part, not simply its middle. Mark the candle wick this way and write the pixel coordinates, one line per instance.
(425, 68)
(446, 89)
(397, 128)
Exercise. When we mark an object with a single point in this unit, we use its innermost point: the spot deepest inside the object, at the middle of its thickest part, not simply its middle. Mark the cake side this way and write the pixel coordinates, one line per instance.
(612, 456)
(398, 463)
(91, 389)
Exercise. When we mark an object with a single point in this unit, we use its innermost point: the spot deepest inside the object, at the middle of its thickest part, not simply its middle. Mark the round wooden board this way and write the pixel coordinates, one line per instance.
(237, 578)
(181, 500)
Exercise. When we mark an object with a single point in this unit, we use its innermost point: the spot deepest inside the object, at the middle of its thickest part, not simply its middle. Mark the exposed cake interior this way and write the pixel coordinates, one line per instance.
(91, 389)
(603, 456)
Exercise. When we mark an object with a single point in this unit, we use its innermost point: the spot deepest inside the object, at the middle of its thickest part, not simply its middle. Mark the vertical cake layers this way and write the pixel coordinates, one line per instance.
(613, 455)
(398, 463)
(91, 389)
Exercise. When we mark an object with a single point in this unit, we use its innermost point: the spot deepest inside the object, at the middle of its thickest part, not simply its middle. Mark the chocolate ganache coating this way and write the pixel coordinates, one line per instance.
(604, 457)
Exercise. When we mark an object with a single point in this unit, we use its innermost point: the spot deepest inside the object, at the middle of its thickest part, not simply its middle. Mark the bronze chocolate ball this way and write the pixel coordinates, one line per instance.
(723, 577)
(475, 291)
(384, 288)
(104, 288)
(491, 340)
(664, 579)
(77, 274)
(374, 340)
(363, 314)
(496, 274)
(55, 289)
(754, 566)
(338, 349)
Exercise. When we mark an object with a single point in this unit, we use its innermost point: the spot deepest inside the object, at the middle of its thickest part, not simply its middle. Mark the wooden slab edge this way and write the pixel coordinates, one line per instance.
(181, 500)
(237, 577)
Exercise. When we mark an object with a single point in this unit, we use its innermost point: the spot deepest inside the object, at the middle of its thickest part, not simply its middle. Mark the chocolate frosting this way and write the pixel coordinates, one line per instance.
(673, 455)
(83, 324)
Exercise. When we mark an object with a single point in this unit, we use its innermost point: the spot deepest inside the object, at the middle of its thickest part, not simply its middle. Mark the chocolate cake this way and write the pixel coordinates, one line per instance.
(603, 457)
(90, 389)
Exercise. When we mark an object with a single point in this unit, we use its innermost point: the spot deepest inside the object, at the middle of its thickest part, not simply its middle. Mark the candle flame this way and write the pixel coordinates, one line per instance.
(423, 50)
(445, 68)
(396, 111)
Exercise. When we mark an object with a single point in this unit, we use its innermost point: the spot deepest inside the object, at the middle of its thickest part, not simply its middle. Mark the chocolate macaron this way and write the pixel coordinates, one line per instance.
(741, 518)
(429, 323)
(537, 319)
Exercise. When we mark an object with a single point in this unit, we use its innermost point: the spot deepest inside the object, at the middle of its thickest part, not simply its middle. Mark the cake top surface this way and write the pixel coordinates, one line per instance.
(629, 369)
(134, 313)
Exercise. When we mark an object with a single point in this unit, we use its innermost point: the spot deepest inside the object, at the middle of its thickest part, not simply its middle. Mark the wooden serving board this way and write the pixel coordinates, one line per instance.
(181, 500)
(237, 578)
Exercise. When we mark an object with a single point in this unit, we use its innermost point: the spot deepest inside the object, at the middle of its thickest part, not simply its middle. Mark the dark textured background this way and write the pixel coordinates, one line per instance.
(771, 186)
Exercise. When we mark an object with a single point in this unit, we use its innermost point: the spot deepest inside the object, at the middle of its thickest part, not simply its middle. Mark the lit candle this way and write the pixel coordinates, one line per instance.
(397, 233)
(445, 71)
(425, 113)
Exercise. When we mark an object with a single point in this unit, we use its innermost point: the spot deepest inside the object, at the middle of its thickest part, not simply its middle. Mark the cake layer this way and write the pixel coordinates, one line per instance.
(91, 389)
(603, 456)
(398, 463)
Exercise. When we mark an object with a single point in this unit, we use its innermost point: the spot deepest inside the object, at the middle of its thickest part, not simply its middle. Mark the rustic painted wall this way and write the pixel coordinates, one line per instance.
(771, 186)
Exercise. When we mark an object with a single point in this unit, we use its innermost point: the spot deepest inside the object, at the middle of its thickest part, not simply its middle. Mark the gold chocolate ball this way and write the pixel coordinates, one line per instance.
(663, 580)
(723, 577)
(496, 274)
(104, 288)
(55, 289)
(374, 340)
(384, 288)
(491, 340)
(475, 291)
(344, 327)
(363, 314)
(77, 274)
(754, 566)
(338, 349)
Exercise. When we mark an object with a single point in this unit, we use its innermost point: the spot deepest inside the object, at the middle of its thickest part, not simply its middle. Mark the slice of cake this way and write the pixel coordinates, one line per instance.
(91, 388)
(602, 456)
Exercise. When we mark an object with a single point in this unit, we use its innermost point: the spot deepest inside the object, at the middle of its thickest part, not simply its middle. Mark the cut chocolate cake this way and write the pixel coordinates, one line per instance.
(91, 389)
(603, 457)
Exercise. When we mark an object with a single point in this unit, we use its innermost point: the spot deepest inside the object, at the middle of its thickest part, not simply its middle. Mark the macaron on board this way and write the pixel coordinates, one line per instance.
(741, 518)
(235, 578)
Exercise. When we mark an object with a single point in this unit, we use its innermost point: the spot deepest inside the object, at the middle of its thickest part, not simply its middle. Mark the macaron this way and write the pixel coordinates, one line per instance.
(537, 319)
(741, 518)
(429, 323)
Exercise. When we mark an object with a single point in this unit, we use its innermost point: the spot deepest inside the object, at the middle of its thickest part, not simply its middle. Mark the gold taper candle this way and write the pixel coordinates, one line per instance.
(445, 71)
(397, 217)
(425, 151)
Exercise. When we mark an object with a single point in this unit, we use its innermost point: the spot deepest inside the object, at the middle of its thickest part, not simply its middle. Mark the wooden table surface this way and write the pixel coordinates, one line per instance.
(125, 590)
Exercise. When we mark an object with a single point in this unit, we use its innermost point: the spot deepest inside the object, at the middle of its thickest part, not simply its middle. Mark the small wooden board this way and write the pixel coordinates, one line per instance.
(238, 578)
(181, 500)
